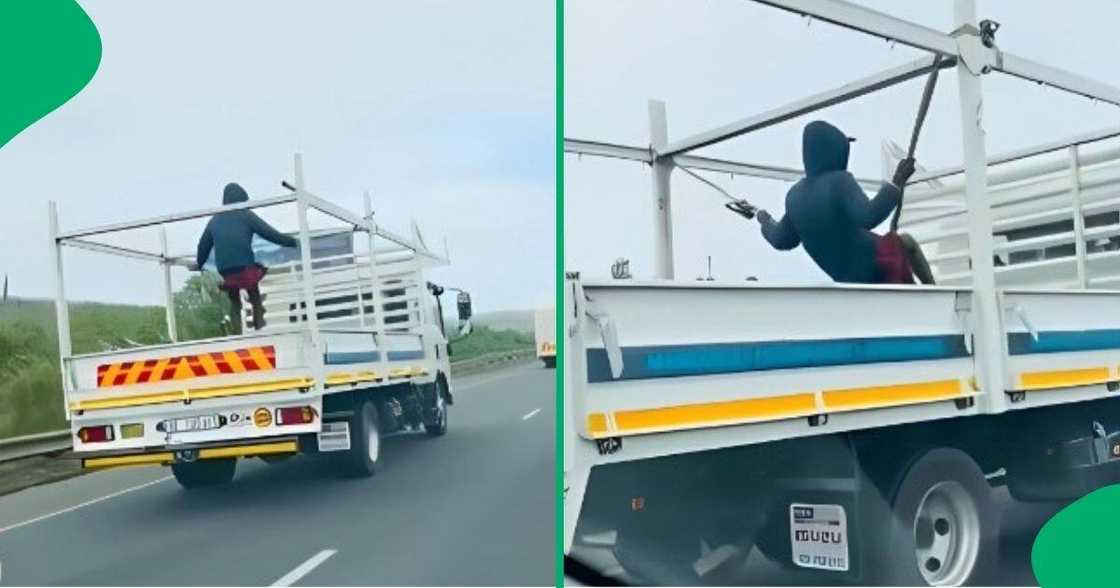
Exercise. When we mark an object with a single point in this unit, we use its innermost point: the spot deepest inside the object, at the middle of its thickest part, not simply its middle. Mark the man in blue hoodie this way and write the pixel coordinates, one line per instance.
(230, 235)
(828, 212)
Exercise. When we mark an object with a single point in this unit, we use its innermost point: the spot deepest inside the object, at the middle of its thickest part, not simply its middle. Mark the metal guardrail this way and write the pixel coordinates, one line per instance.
(52, 441)
(37, 444)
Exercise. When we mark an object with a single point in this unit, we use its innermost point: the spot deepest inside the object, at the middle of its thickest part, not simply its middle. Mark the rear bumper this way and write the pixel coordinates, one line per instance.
(180, 454)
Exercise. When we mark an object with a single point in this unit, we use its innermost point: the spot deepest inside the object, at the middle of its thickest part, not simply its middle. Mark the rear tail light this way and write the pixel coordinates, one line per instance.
(96, 434)
(295, 415)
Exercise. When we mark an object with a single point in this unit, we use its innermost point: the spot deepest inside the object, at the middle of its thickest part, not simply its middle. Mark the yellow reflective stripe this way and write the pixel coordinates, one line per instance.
(247, 450)
(134, 400)
(341, 378)
(597, 424)
(1063, 378)
(183, 395)
(127, 460)
(400, 372)
(881, 396)
(741, 411)
(244, 389)
(711, 414)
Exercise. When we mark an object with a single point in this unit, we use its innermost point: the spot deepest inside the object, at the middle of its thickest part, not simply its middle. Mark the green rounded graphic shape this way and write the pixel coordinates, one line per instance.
(49, 51)
(1078, 547)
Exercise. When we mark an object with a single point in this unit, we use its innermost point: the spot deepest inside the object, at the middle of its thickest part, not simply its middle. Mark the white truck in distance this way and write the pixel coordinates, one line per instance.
(353, 349)
(853, 433)
(544, 330)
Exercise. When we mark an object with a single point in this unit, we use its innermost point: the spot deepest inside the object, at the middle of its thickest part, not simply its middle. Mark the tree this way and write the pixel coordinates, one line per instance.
(201, 309)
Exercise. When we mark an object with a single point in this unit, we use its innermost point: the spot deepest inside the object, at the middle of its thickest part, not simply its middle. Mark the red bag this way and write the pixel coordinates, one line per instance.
(247, 278)
(891, 258)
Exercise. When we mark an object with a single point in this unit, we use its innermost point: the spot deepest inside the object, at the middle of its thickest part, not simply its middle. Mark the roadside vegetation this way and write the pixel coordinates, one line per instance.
(30, 377)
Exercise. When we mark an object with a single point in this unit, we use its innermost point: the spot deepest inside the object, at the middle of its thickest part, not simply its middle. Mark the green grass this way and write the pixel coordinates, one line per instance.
(485, 340)
(30, 381)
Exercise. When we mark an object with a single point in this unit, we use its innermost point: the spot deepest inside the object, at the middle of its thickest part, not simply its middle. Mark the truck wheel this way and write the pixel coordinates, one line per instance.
(435, 417)
(944, 530)
(549, 362)
(365, 442)
(204, 473)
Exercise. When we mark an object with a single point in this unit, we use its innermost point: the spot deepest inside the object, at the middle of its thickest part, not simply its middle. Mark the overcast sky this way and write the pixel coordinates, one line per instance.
(715, 61)
(443, 110)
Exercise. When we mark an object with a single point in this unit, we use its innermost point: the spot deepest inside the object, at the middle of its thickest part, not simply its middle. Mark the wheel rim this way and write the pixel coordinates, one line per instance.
(946, 535)
(373, 443)
(441, 410)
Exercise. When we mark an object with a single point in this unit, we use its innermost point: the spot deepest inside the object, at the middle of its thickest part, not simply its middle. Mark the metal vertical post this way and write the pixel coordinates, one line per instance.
(168, 294)
(662, 171)
(375, 281)
(1079, 243)
(61, 309)
(988, 345)
(306, 274)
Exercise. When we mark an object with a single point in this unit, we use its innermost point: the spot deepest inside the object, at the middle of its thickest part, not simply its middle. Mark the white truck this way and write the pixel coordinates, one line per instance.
(544, 331)
(353, 349)
(854, 433)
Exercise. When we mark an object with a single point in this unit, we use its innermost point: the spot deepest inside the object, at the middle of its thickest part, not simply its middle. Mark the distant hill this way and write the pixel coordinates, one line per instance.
(501, 320)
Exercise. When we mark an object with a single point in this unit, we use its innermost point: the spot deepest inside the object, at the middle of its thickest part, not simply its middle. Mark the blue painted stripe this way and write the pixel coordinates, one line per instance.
(344, 357)
(663, 361)
(1063, 341)
(405, 355)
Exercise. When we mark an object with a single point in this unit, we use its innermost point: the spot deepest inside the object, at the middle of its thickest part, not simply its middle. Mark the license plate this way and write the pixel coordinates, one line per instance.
(195, 423)
(819, 536)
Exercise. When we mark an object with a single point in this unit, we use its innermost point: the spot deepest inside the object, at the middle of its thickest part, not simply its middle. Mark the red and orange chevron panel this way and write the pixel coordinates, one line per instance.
(185, 367)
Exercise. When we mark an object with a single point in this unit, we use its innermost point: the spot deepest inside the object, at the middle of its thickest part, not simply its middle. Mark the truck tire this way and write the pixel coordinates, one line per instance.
(435, 415)
(549, 362)
(204, 473)
(365, 442)
(942, 530)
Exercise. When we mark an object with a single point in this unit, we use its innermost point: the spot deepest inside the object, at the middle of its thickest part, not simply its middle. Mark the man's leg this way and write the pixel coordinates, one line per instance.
(258, 307)
(235, 317)
(917, 259)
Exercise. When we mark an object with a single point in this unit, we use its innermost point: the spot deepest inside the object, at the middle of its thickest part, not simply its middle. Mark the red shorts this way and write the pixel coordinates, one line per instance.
(892, 261)
(243, 279)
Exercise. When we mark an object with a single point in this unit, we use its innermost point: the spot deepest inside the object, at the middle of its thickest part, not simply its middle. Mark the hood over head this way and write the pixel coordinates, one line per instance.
(824, 148)
(234, 193)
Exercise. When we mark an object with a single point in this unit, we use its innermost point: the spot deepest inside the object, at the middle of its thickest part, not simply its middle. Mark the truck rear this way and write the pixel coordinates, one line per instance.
(544, 330)
(353, 349)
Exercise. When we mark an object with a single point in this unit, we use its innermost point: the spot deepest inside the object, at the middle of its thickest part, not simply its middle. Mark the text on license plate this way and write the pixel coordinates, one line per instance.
(194, 423)
(818, 534)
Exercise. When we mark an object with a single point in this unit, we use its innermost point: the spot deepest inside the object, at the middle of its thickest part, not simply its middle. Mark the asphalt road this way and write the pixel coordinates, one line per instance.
(1019, 525)
(474, 507)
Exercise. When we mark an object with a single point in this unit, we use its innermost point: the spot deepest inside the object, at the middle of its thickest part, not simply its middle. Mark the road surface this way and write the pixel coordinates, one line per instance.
(1019, 524)
(475, 507)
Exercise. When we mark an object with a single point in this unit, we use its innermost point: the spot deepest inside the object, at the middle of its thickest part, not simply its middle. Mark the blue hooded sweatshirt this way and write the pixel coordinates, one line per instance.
(230, 235)
(828, 213)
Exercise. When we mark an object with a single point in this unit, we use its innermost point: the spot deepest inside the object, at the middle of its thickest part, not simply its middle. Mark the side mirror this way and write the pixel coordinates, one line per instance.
(464, 303)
